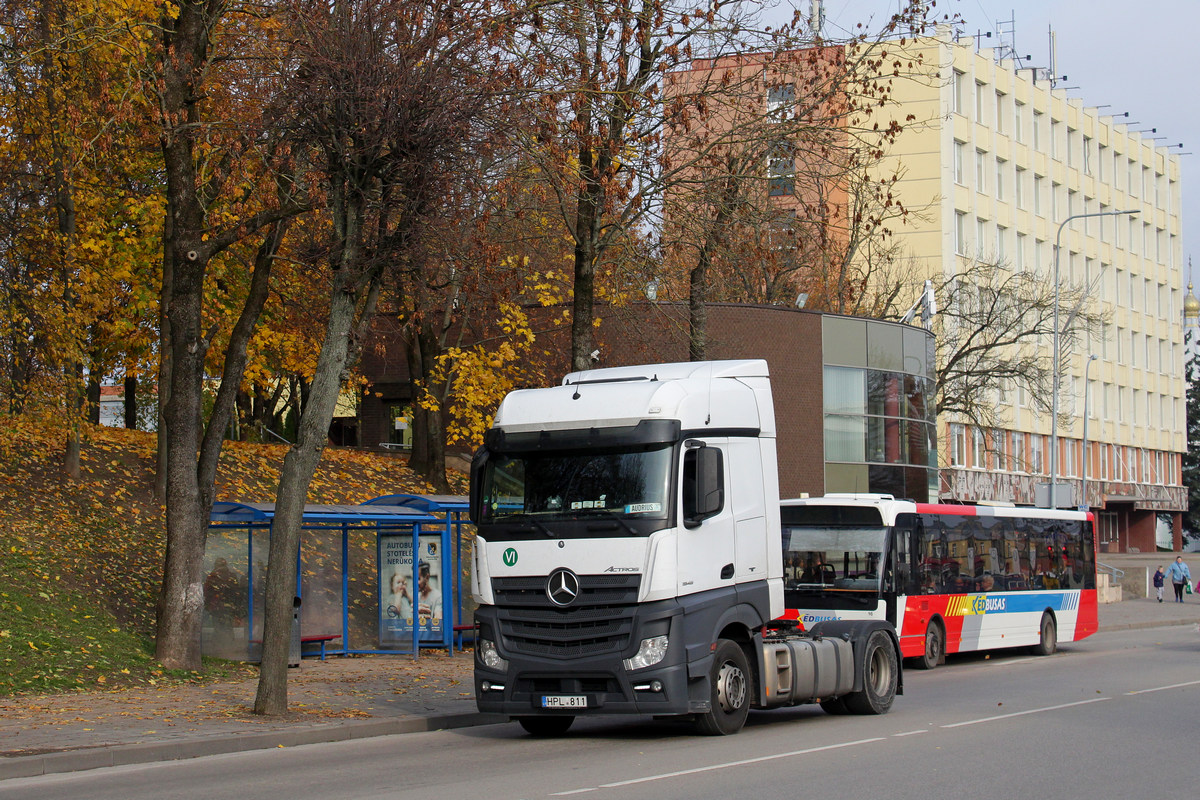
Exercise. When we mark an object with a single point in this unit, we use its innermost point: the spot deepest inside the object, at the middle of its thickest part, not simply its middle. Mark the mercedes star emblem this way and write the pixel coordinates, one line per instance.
(562, 587)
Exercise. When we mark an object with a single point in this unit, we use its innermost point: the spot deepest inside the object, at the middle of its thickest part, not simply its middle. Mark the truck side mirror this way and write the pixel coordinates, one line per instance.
(703, 485)
(475, 498)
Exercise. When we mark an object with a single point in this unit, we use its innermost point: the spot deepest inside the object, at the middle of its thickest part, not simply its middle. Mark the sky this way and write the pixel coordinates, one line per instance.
(1139, 56)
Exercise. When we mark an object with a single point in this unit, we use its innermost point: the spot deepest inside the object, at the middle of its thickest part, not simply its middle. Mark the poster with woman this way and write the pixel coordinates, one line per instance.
(404, 603)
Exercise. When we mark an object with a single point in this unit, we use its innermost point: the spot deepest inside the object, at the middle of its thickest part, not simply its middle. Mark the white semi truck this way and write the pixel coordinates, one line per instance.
(629, 558)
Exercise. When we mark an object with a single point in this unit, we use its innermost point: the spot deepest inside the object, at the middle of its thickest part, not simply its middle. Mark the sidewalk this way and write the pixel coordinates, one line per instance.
(334, 700)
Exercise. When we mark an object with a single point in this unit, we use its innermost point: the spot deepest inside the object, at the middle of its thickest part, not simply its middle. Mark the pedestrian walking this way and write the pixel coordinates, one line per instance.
(1159, 580)
(1180, 577)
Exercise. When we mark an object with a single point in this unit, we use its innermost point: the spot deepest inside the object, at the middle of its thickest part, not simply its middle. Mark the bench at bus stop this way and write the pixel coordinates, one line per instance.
(317, 638)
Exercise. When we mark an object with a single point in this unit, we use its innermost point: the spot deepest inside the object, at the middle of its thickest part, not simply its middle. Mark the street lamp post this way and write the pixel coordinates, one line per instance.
(1083, 501)
(1054, 348)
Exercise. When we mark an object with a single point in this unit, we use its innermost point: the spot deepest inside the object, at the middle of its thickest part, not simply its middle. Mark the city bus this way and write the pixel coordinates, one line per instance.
(950, 578)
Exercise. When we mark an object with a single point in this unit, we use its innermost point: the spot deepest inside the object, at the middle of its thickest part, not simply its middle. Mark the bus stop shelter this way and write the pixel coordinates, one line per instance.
(384, 576)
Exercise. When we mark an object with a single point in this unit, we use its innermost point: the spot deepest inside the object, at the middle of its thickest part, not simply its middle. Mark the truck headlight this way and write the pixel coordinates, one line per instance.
(651, 651)
(490, 656)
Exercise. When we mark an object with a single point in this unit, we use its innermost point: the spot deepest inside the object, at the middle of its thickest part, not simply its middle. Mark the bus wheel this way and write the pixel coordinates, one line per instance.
(881, 674)
(935, 647)
(546, 726)
(729, 686)
(1048, 643)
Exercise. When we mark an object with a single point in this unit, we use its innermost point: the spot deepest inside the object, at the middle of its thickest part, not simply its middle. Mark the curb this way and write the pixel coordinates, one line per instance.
(148, 752)
(1166, 623)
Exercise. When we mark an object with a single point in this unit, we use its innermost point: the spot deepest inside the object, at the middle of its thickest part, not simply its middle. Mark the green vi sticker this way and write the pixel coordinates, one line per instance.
(510, 557)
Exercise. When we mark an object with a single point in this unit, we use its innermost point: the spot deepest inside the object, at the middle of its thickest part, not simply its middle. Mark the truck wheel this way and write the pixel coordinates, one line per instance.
(546, 726)
(729, 688)
(935, 647)
(1048, 643)
(881, 673)
(836, 706)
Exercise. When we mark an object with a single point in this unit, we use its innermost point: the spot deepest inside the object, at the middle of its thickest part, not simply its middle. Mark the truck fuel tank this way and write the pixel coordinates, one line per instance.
(801, 669)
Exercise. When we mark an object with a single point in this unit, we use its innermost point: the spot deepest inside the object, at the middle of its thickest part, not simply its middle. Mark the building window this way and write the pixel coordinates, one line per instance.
(978, 448)
(1019, 123)
(781, 99)
(1019, 188)
(1019, 253)
(980, 171)
(960, 93)
(1036, 454)
(1000, 166)
(997, 449)
(959, 171)
(958, 445)
(1002, 245)
(960, 233)
(1016, 451)
(1037, 130)
(1087, 155)
(978, 102)
(781, 170)
(999, 112)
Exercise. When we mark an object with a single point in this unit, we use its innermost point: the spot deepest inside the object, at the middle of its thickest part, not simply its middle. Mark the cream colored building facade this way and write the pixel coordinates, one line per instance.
(997, 161)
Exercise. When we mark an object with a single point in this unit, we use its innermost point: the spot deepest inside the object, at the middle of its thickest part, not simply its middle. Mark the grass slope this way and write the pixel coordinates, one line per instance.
(81, 561)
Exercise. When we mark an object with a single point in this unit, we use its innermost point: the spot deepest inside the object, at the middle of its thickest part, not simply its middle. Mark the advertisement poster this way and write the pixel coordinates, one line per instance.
(403, 604)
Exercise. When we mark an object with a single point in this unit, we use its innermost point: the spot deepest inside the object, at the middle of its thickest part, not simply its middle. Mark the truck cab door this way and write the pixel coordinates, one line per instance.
(706, 535)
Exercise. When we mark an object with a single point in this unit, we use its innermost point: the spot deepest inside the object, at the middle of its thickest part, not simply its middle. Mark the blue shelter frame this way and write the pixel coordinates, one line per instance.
(387, 516)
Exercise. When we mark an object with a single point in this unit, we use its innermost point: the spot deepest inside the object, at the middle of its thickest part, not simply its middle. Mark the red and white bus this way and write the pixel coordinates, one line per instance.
(951, 578)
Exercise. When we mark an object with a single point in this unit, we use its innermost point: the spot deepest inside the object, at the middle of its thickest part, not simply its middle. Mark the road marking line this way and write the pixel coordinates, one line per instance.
(742, 763)
(1023, 713)
(1164, 688)
(573, 791)
(909, 733)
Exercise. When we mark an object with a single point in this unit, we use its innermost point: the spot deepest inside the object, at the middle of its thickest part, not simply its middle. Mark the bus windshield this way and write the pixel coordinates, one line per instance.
(819, 559)
(628, 485)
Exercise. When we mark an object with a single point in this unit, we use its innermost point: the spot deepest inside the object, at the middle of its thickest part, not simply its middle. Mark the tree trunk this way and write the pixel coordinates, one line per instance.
(298, 467)
(164, 361)
(93, 399)
(131, 402)
(434, 470)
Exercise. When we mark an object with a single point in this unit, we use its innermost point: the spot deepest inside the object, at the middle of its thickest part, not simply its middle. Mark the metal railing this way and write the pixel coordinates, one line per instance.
(1116, 573)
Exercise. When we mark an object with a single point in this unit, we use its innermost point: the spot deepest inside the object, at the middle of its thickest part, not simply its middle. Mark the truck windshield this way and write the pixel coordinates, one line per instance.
(823, 560)
(626, 485)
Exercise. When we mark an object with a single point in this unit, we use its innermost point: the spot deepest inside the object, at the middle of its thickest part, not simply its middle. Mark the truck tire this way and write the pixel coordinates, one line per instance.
(935, 647)
(545, 727)
(881, 674)
(1048, 639)
(729, 688)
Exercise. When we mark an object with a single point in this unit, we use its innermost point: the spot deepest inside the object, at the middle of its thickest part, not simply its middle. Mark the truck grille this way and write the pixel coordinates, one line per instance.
(600, 621)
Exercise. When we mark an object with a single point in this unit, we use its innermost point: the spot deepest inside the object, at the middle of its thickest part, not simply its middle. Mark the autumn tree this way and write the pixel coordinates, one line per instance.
(994, 326)
(78, 187)
(1191, 459)
(387, 96)
(596, 136)
(230, 187)
(781, 193)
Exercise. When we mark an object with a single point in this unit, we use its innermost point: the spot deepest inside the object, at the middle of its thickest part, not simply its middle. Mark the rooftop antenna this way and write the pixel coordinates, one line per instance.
(1006, 32)
(816, 18)
(1053, 56)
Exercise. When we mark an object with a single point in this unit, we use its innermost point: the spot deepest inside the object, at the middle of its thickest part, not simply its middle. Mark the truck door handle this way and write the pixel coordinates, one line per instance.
(727, 572)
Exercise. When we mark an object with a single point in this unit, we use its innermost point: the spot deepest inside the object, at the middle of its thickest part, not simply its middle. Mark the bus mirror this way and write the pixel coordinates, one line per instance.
(703, 485)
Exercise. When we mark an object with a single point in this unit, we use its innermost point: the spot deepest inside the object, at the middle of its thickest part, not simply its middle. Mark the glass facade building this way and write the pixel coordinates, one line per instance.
(880, 426)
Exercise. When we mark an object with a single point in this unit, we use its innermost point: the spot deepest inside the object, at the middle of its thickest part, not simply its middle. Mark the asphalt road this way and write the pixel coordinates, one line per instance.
(1117, 715)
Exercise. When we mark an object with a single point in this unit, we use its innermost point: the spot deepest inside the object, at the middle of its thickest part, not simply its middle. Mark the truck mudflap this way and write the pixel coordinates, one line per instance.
(858, 633)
